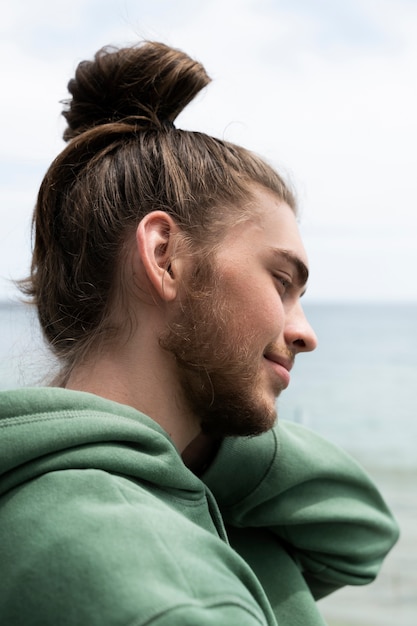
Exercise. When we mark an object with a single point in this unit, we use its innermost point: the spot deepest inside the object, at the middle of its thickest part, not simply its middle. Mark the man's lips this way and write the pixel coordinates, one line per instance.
(281, 366)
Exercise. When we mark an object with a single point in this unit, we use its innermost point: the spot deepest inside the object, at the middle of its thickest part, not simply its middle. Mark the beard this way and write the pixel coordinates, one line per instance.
(219, 370)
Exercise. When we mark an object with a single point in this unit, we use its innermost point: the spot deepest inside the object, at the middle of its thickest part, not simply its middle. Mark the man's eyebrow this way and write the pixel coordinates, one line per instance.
(301, 270)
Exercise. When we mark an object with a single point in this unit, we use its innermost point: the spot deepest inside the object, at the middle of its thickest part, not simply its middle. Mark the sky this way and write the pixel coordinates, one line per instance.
(324, 90)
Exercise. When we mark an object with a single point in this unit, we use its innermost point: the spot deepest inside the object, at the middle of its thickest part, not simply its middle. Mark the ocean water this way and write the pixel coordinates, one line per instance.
(359, 388)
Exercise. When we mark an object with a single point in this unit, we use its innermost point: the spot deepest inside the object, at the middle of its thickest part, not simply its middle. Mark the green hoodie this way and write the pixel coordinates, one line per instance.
(102, 524)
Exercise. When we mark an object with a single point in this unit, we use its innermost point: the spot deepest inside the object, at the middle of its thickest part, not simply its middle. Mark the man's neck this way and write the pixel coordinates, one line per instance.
(147, 385)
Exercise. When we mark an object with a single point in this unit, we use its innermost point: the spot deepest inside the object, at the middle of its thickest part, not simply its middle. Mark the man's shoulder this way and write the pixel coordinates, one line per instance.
(107, 543)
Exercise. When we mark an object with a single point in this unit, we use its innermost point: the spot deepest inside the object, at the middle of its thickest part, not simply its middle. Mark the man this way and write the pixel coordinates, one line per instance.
(152, 484)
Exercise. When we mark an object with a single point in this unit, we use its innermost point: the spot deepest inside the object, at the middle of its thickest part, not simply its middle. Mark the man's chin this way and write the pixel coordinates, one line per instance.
(241, 422)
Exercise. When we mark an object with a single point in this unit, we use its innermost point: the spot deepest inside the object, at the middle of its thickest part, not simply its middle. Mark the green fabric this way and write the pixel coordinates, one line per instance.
(101, 522)
(313, 497)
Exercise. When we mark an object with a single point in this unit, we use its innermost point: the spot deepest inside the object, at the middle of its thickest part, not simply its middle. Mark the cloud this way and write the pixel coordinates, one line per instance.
(324, 89)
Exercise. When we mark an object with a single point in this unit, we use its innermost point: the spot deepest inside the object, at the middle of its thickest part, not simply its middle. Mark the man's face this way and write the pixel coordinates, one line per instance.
(236, 335)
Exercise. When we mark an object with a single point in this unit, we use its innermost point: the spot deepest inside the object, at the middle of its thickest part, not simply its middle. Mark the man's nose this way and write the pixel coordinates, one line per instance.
(299, 335)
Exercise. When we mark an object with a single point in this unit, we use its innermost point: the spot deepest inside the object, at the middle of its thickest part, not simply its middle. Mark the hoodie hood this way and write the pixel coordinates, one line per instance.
(48, 429)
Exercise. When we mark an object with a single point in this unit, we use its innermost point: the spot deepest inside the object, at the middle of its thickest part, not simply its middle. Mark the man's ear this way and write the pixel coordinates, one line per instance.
(156, 241)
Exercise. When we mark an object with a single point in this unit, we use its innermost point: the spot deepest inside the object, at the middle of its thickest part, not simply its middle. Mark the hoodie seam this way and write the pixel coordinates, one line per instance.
(59, 415)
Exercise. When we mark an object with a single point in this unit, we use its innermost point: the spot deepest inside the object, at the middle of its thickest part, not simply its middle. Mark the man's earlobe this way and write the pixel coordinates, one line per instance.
(156, 241)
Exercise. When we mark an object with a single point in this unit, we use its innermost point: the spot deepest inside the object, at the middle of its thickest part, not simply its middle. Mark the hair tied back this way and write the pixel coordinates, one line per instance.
(150, 82)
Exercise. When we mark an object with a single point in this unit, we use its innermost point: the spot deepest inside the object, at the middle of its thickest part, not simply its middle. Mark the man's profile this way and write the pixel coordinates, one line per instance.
(151, 482)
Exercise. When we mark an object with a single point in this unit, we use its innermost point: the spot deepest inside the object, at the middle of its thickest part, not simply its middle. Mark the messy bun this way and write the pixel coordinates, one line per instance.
(150, 84)
(123, 160)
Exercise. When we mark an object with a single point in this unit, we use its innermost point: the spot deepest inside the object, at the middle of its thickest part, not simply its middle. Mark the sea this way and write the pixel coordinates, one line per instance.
(358, 388)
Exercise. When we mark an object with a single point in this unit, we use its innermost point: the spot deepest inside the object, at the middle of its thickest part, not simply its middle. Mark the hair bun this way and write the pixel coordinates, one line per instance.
(150, 81)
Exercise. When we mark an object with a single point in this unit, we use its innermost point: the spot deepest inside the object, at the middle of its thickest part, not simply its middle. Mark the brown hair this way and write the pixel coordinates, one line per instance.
(124, 159)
